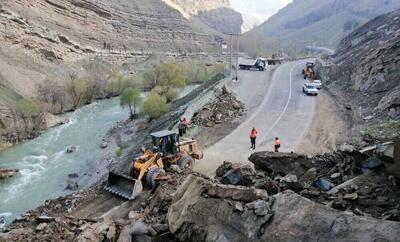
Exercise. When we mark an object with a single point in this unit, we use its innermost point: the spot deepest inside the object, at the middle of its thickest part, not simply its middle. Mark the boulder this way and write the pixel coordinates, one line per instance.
(71, 149)
(103, 145)
(237, 193)
(7, 173)
(281, 163)
(299, 219)
(236, 174)
(194, 217)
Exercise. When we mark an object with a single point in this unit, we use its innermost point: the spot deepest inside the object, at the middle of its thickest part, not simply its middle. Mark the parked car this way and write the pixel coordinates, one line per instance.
(310, 89)
(317, 83)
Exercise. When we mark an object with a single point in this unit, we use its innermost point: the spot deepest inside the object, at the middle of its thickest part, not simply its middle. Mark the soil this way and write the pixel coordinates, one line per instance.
(329, 129)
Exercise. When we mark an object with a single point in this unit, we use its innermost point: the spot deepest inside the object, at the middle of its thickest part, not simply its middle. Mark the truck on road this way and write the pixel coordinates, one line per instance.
(256, 64)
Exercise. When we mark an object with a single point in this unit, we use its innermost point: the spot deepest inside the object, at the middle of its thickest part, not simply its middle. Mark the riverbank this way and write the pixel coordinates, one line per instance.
(104, 147)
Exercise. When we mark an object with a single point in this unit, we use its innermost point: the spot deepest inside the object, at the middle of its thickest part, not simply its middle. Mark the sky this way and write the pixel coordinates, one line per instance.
(262, 9)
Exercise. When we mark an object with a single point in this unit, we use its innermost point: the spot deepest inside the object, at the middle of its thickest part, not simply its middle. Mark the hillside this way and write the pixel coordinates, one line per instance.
(217, 14)
(321, 23)
(47, 40)
(365, 75)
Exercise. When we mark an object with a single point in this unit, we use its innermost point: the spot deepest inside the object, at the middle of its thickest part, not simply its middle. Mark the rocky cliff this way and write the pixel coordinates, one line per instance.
(322, 23)
(215, 13)
(365, 72)
(48, 39)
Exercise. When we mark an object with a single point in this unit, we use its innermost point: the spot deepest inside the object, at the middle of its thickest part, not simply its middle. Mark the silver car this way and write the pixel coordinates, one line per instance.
(310, 89)
(317, 83)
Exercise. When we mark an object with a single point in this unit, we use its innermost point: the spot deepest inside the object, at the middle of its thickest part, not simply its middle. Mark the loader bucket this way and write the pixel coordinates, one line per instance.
(123, 186)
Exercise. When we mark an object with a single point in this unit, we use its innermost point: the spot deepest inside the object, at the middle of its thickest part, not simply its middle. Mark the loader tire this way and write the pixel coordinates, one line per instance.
(186, 162)
(151, 176)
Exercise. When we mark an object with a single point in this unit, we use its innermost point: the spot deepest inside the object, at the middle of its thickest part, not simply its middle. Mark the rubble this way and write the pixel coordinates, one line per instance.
(240, 204)
(225, 108)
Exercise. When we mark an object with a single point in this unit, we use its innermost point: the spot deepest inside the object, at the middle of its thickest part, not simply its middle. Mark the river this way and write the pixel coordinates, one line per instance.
(43, 162)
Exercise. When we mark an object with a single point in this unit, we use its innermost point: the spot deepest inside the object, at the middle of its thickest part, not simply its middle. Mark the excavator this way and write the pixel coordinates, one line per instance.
(308, 72)
(168, 149)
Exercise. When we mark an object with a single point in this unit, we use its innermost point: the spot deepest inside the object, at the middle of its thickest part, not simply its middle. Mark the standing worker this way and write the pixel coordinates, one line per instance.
(185, 123)
(277, 144)
(253, 137)
(181, 128)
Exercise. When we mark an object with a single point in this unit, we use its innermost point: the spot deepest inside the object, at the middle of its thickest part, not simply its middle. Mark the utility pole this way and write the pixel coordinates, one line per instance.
(237, 57)
(231, 55)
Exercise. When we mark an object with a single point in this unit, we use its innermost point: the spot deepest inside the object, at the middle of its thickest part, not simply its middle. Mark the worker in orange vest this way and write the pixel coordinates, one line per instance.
(277, 144)
(253, 137)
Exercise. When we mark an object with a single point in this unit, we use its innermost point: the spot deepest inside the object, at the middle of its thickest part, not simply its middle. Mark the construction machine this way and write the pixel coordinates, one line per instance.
(308, 72)
(168, 149)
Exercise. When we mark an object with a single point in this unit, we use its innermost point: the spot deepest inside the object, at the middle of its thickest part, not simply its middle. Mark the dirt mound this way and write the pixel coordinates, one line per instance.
(225, 108)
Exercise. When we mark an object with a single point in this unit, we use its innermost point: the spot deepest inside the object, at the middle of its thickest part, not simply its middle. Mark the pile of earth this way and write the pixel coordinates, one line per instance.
(343, 180)
(279, 201)
(224, 108)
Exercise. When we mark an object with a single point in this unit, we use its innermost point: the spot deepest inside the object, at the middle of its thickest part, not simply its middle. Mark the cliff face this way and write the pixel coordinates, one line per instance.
(46, 39)
(215, 13)
(37, 37)
(322, 23)
(365, 73)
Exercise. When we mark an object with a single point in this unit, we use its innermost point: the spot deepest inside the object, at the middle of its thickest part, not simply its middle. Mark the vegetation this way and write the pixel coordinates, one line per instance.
(131, 97)
(54, 95)
(154, 106)
(165, 79)
(29, 111)
(77, 89)
(197, 73)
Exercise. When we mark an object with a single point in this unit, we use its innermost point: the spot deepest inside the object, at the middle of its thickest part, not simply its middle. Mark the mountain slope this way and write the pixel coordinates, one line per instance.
(40, 36)
(365, 74)
(322, 23)
(215, 13)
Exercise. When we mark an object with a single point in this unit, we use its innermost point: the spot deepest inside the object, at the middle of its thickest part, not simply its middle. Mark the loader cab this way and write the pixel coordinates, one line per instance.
(166, 142)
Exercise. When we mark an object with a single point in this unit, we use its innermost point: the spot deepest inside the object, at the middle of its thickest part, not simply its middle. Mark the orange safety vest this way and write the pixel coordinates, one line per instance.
(277, 142)
(253, 134)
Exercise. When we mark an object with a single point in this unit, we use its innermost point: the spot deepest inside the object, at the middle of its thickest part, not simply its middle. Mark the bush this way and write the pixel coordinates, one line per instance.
(154, 106)
(165, 80)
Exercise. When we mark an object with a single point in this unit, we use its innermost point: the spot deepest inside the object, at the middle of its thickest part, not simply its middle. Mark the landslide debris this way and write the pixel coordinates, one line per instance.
(286, 199)
(224, 108)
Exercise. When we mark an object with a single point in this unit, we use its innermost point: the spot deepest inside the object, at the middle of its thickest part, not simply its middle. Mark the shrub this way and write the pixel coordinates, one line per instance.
(154, 106)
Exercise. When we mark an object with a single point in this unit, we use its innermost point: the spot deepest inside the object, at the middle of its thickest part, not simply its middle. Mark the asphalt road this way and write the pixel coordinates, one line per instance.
(276, 107)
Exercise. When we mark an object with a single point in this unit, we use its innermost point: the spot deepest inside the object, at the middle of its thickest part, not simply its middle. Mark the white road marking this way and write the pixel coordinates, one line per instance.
(263, 141)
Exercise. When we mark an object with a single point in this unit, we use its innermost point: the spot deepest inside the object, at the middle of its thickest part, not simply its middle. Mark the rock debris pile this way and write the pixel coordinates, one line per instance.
(225, 108)
(289, 197)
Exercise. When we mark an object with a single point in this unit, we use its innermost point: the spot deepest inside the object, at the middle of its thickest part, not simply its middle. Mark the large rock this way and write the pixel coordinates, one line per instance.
(194, 217)
(7, 173)
(237, 193)
(281, 163)
(299, 219)
(236, 174)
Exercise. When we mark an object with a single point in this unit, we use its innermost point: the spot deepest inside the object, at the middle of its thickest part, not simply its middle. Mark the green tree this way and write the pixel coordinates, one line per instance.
(169, 77)
(150, 79)
(29, 111)
(131, 97)
(77, 89)
(154, 106)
